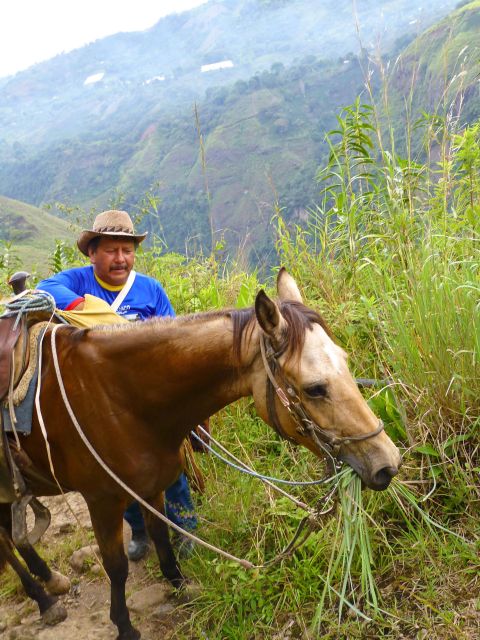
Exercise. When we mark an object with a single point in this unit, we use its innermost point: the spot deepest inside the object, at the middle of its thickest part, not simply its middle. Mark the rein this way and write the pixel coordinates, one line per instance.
(290, 399)
(306, 426)
(245, 563)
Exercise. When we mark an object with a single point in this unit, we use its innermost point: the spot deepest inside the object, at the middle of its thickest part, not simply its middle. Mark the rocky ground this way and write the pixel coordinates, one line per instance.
(154, 610)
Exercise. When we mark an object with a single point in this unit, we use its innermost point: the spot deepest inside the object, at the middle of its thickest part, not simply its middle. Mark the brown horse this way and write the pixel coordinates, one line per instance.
(137, 390)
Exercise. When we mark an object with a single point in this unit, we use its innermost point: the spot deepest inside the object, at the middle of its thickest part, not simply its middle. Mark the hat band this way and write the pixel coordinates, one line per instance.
(113, 230)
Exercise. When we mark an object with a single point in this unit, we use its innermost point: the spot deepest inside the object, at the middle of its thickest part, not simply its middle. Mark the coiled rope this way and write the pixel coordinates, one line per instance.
(28, 301)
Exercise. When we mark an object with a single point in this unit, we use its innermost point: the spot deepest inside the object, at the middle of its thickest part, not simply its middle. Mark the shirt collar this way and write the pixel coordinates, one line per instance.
(109, 287)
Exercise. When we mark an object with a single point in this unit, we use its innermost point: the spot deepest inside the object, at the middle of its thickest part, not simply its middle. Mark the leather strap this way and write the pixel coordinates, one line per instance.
(122, 294)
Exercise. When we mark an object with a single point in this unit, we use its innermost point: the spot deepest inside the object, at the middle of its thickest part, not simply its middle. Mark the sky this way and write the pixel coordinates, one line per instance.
(34, 30)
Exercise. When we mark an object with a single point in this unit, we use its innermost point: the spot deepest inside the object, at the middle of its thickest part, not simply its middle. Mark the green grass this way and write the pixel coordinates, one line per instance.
(28, 235)
(381, 562)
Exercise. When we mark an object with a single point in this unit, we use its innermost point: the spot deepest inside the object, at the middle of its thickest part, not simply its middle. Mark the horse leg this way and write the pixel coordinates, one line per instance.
(51, 610)
(56, 583)
(107, 521)
(158, 532)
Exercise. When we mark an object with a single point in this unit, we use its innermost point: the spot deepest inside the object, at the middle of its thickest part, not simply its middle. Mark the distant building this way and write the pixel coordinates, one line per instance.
(224, 64)
(154, 79)
(96, 77)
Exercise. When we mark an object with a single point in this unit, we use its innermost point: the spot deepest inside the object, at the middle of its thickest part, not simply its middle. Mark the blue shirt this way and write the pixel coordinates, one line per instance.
(145, 299)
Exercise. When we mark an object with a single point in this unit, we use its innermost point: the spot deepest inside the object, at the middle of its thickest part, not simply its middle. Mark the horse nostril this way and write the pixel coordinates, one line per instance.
(382, 478)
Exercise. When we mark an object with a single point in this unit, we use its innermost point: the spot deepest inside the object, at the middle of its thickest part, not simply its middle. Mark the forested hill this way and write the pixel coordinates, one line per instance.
(253, 142)
(437, 73)
(263, 140)
(117, 78)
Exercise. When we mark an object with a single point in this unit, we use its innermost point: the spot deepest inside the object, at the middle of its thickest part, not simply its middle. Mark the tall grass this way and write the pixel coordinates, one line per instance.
(396, 258)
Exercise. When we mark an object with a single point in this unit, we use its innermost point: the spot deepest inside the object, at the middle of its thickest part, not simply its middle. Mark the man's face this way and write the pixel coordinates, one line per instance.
(113, 259)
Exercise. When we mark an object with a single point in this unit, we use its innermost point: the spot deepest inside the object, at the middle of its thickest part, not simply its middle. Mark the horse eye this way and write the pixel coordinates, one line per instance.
(317, 391)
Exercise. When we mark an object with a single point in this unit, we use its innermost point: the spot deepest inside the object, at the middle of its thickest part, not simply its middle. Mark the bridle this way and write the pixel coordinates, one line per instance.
(278, 384)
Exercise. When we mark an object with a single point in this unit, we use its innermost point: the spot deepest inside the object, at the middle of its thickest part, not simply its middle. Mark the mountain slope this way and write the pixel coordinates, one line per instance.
(32, 232)
(439, 71)
(257, 141)
(126, 74)
(262, 142)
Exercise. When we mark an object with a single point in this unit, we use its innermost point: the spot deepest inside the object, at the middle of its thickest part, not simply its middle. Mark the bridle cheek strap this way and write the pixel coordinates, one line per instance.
(306, 426)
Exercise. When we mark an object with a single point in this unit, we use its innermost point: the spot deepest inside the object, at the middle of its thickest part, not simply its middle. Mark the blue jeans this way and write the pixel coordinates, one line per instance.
(178, 504)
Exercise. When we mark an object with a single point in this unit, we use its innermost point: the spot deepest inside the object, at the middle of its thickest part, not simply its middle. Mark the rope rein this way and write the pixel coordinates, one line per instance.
(244, 468)
(245, 563)
(29, 301)
(309, 523)
(305, 426)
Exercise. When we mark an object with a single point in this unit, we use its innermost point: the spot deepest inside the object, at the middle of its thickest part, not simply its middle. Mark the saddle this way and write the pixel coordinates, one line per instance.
(11, 333)
(14, 359)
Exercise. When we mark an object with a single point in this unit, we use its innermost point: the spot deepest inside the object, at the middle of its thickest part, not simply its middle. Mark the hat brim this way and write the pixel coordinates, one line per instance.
(87, 236)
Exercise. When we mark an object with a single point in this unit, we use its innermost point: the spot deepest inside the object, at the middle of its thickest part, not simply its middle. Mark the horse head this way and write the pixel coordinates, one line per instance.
(310, 396)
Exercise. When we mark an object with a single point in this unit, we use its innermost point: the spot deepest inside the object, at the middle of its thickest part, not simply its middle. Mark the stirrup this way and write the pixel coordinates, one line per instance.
(20, 534)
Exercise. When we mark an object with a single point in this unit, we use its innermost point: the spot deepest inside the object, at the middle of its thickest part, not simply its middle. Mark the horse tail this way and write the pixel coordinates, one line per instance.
(192, 470)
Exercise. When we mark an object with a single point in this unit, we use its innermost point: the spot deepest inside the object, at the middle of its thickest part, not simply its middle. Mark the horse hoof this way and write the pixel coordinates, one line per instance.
(54, 614)
(58, 584)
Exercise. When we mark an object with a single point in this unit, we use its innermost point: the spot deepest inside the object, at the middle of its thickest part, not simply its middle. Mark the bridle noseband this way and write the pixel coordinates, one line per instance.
(289, 397)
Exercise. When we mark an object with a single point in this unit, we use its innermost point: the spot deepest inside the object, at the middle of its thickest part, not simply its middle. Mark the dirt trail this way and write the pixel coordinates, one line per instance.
(153, 609)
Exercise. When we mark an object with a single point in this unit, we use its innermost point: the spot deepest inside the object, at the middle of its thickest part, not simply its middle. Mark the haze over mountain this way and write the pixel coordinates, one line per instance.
(116, 117)
(77, 91)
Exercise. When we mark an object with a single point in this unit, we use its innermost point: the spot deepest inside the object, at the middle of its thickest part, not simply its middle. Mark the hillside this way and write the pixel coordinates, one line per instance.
(262, 142)
(438, 72)
(257, 141)
(32, 233)
(122, 76)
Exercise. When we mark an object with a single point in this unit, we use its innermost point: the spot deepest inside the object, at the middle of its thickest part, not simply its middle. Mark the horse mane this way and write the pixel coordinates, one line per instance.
(298, 317)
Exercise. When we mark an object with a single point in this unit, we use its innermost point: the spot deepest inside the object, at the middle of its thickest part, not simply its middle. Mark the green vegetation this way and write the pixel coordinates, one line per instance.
(27, 236)
(391, 256)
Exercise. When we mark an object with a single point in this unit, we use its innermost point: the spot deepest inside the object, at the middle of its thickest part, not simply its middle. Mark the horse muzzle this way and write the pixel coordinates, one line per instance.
(377, 478)
(382, 478)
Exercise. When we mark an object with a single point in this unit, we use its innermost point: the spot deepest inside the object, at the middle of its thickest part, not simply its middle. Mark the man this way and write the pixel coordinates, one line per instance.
(110, 245)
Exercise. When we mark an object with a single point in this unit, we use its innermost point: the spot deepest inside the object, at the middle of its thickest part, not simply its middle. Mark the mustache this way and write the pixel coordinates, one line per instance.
(119, 268)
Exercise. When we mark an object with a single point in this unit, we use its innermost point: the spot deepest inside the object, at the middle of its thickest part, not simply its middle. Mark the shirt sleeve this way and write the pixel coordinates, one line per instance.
(163, 306)
(64, 287)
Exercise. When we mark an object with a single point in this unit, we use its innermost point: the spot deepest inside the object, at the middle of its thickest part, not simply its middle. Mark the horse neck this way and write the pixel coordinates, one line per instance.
(185, 367)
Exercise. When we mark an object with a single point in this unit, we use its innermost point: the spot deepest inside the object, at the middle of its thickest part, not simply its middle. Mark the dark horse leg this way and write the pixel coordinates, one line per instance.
(55, 582)
(107, 521)
(158, 531)
(52, 612)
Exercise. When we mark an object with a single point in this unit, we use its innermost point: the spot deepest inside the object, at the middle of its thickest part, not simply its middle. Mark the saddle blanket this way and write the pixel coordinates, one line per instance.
(24, 393)
(23, 411)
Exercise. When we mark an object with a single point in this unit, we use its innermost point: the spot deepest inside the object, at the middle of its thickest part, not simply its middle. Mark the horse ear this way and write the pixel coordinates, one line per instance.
(269, 316)
(287, 287)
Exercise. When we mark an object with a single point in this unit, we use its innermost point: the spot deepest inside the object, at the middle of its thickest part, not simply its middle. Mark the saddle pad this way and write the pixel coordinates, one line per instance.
(8, 338)
(23, 412)
(34, 335)
(24, 393)
(95, 312)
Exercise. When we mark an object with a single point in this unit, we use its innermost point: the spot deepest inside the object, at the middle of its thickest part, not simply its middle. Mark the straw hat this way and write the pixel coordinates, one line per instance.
(109, 223)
